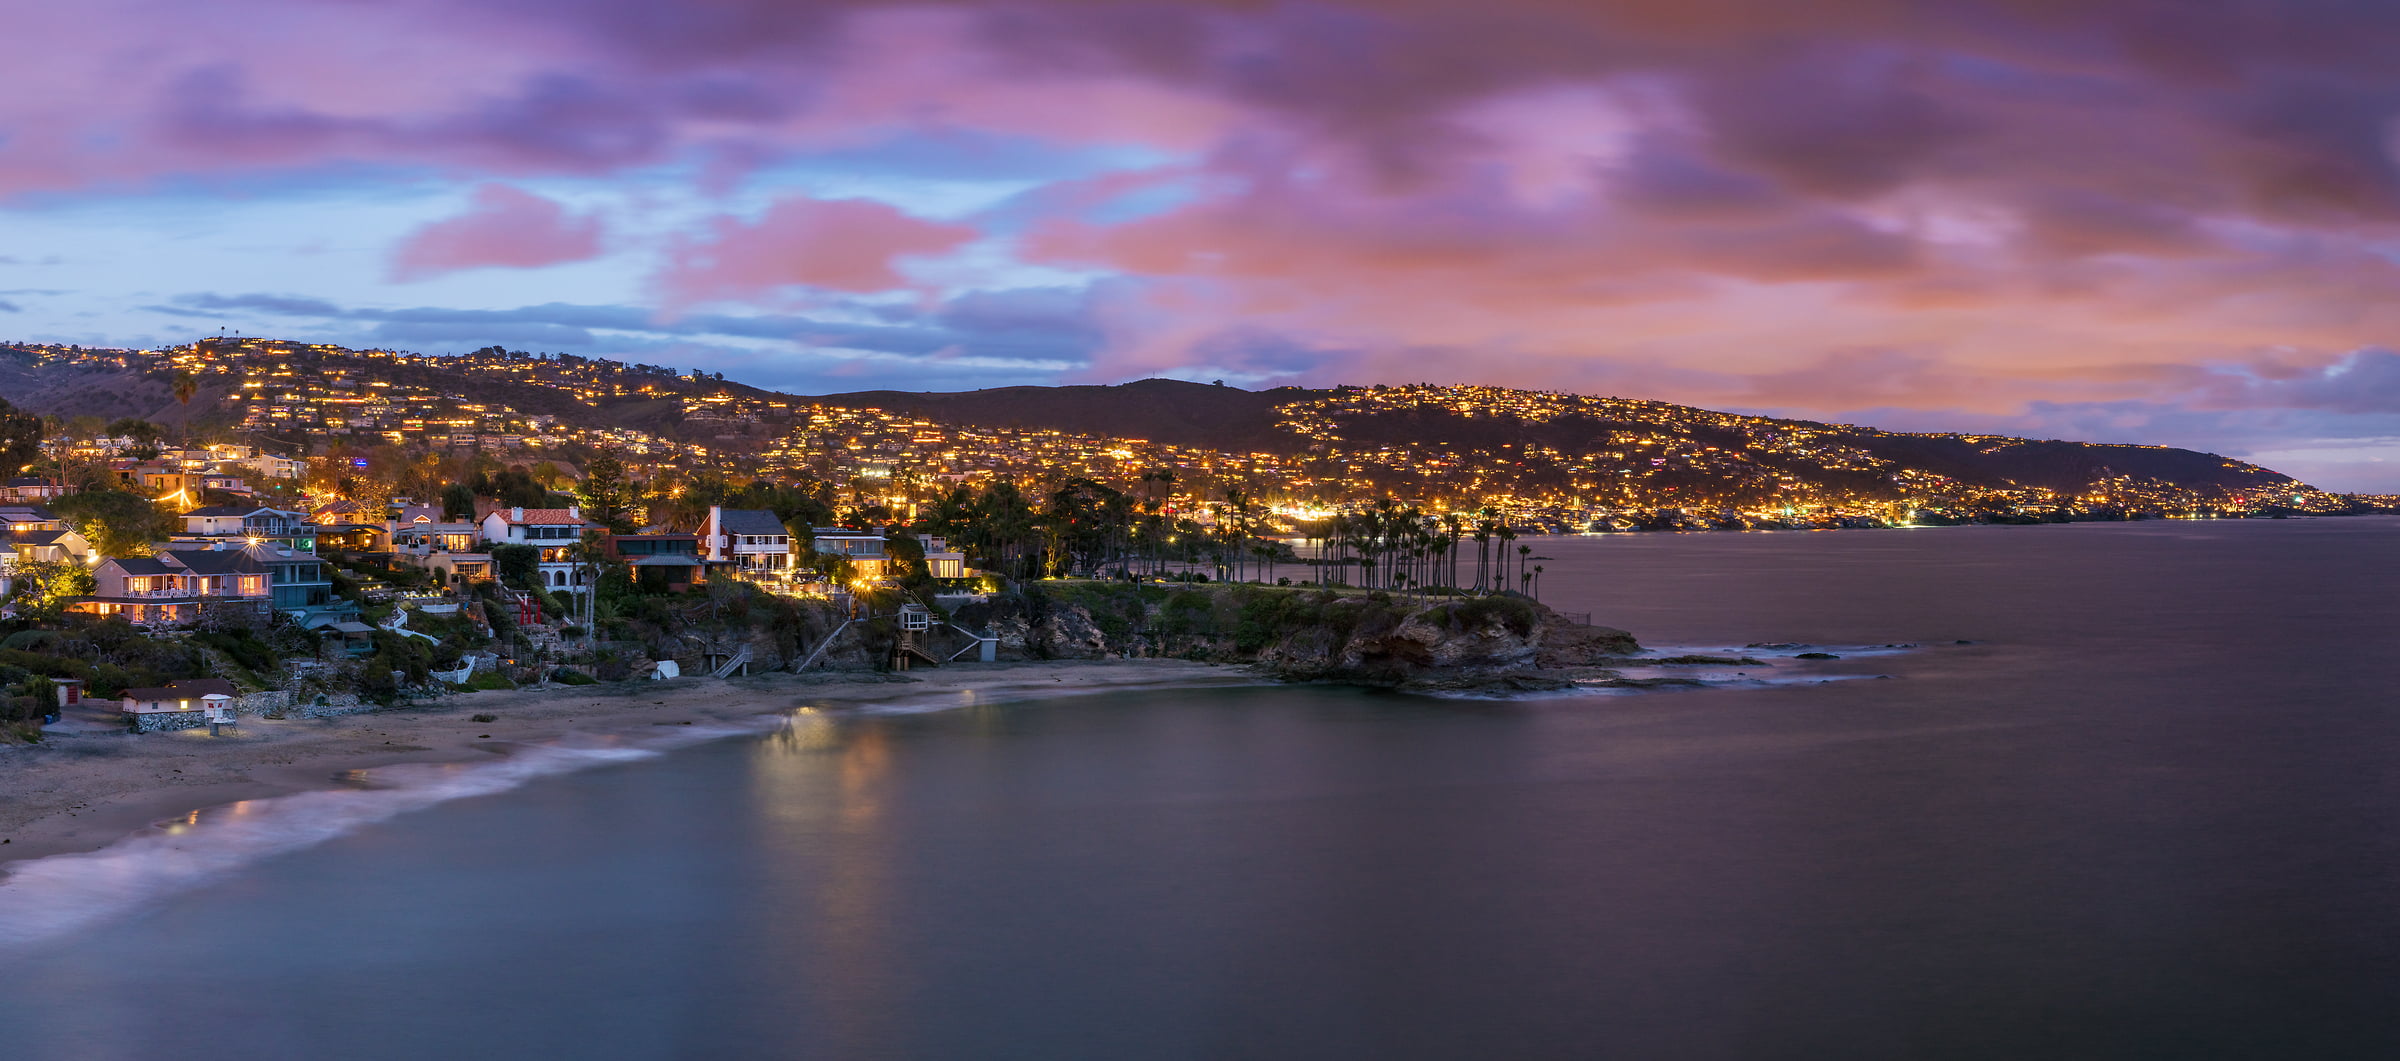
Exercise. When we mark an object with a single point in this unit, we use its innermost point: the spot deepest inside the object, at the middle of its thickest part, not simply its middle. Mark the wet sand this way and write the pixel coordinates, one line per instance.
(78, 792)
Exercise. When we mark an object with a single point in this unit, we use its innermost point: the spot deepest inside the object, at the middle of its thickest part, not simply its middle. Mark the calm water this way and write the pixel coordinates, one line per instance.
(2154, 810)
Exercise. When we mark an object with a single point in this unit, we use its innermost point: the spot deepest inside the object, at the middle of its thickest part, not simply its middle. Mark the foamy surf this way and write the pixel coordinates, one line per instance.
(42, 899)
(45, 898)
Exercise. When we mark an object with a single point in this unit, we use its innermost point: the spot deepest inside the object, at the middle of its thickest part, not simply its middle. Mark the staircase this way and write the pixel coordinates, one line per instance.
(740, 660)
(823, 645)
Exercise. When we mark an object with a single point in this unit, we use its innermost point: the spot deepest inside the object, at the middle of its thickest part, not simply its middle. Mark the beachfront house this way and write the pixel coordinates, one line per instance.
(175, 587)
(662, 561)
(863, 550)
(554, 532)
(299, 584)
(178, 586)
(941, 561)
(421, 538)
(749, 540)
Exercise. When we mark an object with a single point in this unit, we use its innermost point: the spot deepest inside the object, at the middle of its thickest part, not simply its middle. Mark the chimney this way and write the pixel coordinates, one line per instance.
(574, 512)
(516, 514)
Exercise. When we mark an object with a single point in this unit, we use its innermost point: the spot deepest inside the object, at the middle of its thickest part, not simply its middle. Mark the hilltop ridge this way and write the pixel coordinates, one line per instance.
(1562, 460)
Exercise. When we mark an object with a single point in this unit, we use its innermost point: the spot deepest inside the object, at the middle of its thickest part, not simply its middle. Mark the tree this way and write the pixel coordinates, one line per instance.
(144, 436)
(20, 437)
(908, 558)
(609, 497)
(513, 486)
(115, 522)
(43, 587)
(518, 566)
(458, 502)
(186, 385)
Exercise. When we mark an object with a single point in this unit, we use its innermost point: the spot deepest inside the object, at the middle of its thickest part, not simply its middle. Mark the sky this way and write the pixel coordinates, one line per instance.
(2114, 220)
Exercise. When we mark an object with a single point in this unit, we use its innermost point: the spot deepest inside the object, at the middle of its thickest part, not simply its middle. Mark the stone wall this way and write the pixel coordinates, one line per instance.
(277, 703)
(263, 705)
(167, 721)
(330, 705)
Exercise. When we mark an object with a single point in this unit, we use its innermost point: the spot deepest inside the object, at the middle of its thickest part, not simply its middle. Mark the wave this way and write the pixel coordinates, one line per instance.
(47, 897)
(43, 898)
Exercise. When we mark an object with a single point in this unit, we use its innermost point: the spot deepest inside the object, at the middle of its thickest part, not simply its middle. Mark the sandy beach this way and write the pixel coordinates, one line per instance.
(83, 791)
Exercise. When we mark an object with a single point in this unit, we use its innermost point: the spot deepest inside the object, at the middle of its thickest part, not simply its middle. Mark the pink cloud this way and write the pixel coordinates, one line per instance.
(838, 244)
(507, 228)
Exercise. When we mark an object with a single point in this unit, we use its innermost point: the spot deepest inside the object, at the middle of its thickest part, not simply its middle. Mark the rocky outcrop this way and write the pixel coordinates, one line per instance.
(1504, 642)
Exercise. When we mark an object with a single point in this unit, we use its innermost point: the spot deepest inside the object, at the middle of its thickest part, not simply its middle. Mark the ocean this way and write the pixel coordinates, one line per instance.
(2128, 790)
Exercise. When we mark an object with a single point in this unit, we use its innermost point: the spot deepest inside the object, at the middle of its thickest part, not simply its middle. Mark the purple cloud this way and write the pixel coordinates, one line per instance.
(507, 227)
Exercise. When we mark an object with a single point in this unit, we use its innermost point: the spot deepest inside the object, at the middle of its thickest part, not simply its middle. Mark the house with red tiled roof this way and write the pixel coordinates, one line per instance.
(554, 531)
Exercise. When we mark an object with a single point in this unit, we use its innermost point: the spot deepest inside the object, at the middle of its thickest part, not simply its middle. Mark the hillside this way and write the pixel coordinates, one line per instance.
(1434, 426)
(106, 392)
(1171, 411)
(1554, 459)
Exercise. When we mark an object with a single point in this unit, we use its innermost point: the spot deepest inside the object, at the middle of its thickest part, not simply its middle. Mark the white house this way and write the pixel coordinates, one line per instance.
(554, 531)
(748, 538)
(941, 561)
(253, 521)
(272, 467)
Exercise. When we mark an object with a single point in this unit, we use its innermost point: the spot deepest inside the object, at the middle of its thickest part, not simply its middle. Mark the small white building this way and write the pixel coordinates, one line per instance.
(205, 699)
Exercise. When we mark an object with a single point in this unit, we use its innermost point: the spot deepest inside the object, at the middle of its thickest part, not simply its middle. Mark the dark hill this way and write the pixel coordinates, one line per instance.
(1170, 411)
(1229, 418)
(2066, 465)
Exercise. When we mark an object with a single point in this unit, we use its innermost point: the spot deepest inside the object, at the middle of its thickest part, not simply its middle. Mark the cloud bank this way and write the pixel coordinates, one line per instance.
(2108, 216)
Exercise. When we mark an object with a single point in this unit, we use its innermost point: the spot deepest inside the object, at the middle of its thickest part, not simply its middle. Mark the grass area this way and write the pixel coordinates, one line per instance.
(483, 680)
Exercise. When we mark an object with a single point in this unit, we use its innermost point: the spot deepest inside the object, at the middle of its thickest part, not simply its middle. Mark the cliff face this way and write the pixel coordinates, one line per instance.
(1304, 635)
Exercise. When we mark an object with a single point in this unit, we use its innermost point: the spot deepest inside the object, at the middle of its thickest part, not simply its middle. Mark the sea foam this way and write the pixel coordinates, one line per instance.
(44, 898)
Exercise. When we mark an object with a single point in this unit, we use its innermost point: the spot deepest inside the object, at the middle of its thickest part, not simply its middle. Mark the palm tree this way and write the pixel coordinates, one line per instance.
(186, 385)
(1483, 555)
(1455, 526)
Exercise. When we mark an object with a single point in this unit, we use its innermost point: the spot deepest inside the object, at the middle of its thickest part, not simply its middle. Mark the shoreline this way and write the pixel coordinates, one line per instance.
(80, 793)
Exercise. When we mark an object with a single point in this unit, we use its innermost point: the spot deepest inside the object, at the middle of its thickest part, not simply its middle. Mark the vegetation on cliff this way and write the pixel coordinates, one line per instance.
(1369, 638)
